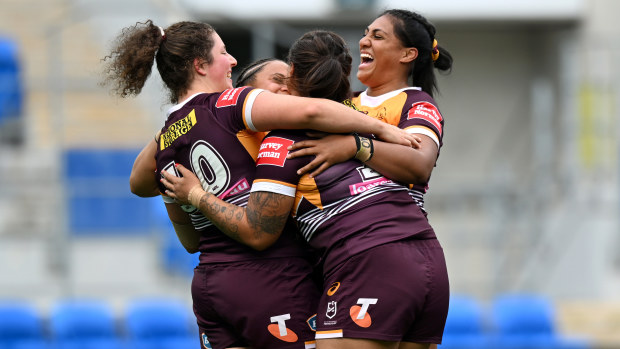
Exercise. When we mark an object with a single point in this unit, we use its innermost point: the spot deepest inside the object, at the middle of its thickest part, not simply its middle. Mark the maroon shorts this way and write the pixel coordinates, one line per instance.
(393, 292)
(269, 303)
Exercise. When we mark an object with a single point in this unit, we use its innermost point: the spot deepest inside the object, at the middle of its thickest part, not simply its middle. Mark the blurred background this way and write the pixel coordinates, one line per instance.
(525, 196)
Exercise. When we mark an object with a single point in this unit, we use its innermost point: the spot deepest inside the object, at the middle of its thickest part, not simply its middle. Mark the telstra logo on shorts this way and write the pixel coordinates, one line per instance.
(280, 330)
(359, 314)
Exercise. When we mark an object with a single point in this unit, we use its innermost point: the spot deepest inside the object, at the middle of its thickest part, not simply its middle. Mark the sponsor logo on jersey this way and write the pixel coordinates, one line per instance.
(237, 188)
(368, 173)
(312, 322)
(426, 111)
(229, 97)
(359, 188)
(177, 129)
(205, 341)
(359, 314)
(280, 331)
(273, 151)
(333, 288)
(331, 309)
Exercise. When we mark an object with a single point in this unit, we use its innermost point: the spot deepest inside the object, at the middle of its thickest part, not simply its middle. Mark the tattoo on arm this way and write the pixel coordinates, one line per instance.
(267, 216)
(223, 212)
(264, 214)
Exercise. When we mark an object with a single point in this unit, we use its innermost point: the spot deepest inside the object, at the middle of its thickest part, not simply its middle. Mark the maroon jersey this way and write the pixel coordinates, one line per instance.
(410, 109)
(346, 209)
(212, 135)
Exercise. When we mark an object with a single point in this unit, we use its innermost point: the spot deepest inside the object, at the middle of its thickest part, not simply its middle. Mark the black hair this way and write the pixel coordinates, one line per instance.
(321, 65)
(247, 77)
(413, 30)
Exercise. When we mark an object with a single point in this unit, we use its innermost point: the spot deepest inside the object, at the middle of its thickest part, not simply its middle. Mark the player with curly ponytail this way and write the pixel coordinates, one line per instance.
(241, 297)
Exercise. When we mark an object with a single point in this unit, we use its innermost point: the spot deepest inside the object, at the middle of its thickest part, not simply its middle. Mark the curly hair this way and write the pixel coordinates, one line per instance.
(174, 49)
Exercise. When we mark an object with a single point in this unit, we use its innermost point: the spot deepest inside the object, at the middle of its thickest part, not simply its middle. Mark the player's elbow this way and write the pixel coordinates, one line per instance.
(191, 249)
(261, 244)
(138, 187)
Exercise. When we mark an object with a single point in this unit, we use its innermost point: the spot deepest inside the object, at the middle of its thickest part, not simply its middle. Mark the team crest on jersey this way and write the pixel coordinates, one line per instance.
(273, 151)
(205, 341)
(229, 97)
(280, 331)
(426, 111)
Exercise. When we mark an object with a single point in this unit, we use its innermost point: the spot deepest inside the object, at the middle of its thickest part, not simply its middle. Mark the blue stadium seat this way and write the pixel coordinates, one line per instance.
(98, 197)
(466, 324)
(527, 321)
(84, 324)
(11, 96)
(21, 326)
(160, 324)
(175, 259)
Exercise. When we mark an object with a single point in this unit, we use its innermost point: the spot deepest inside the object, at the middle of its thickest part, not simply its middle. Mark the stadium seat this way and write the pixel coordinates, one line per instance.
(175, 259)
(527, 321)
(21, 326)
(87, 324)
(160, 324)
(98, 197)
(466, 324)
(11, 93)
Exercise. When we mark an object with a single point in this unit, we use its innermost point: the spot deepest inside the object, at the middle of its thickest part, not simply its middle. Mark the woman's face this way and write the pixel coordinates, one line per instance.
(380, 53)
(272, 77)
(220, 69)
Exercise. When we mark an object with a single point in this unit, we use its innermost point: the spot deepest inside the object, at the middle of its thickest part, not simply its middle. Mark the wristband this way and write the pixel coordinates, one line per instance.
(195, 194)
(365, 148)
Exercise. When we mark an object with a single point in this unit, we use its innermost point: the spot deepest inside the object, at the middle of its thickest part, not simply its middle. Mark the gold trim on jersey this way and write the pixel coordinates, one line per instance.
(251, 141)
(425, 131)
(177, 129)
(307, 188)
(389, 111)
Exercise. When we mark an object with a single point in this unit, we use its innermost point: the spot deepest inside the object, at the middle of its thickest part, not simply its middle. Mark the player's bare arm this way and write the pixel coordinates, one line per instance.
(258, 225)
(265, 213)
(412, 165)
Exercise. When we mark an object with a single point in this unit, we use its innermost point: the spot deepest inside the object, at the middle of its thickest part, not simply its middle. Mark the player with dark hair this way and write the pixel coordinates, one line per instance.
(267, 73)
(384, 271)
(241, 297)
(399, 53)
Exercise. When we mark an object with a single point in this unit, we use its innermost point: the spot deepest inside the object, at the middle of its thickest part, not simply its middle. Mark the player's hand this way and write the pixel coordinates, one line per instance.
(179, 188)
(393, 134)
(328, 150)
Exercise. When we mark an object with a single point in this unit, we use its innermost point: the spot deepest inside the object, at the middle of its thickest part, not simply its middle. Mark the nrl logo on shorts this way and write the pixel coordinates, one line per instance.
(331, 309)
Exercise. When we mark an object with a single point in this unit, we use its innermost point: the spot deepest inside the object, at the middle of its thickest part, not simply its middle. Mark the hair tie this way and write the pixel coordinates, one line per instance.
(163, 34)
(435, 51)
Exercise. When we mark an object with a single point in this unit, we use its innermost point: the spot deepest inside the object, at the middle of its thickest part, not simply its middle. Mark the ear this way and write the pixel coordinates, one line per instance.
(409, 55)
(199, 66)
